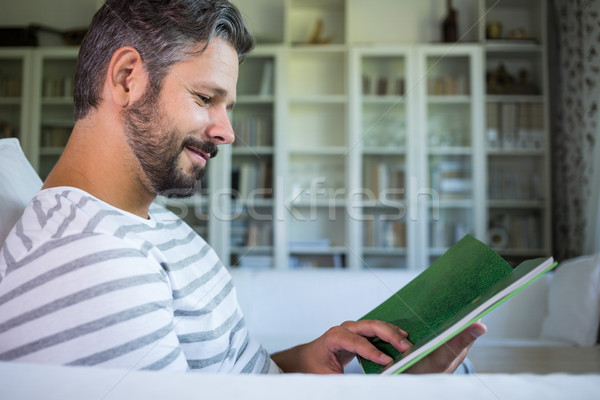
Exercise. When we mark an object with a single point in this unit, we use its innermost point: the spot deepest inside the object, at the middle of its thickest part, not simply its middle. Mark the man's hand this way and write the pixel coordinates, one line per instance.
(449, 355)
(339, 345)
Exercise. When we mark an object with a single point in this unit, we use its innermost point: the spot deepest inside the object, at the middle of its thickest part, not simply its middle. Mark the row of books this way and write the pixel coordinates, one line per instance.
(516, 183)
(385, 179)
(57, 87)
(10, 86)
(245, 233)
(382, 233)
(515, 125)
(253, 131)
(516, 231)
(253, 179)
(375, 85)
(7, 130)
(448, 86)
(54, 136)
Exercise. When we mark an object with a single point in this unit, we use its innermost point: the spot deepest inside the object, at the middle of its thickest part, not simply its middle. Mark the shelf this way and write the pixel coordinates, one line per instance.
(391, 151)
(383, 99)
(322, 151)
(58, 123)
(513, 98)
(449, 99)
(252, 150)
(58, 101)
(518, 204)
(247, 250)
(513, 46)
(316, 250)
(10, 101)
(389, 204)
(255, 202)
(385, 251)
(51, 151)
(254, 99)
(319, 202)
(452, 203)
(319, 99)
(443, 151)
(516, 152)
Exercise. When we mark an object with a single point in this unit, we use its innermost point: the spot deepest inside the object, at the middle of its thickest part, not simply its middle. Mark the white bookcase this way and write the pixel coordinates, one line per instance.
(15, 95)
(517, 127)
(51, 105)
(361, 140)
(380, 163)
(450, 146)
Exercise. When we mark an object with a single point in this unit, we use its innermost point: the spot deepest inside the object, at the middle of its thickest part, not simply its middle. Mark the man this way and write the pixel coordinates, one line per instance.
(94, 273)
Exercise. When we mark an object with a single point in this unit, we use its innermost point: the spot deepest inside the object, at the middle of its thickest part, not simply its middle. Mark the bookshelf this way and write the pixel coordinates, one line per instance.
(253, 160)
(517, 127)
(15, 95)
(361, 141)
(52, 105)
(450, 103)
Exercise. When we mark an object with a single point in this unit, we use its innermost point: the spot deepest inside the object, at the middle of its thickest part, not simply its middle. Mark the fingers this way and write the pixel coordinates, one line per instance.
(351, 336)
(339, 345)
(449, 356)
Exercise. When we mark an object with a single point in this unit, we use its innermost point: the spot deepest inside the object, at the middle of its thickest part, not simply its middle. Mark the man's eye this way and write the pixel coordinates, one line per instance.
(204, 100)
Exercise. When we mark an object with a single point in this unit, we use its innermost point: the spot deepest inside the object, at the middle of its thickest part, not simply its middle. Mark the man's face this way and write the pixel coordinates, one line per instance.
(175, 133)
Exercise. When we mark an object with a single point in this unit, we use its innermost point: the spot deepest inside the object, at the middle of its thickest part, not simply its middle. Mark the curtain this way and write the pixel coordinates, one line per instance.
(575, 77)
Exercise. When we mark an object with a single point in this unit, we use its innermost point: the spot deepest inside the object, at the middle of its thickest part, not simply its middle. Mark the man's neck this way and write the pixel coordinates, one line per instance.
(98, 160)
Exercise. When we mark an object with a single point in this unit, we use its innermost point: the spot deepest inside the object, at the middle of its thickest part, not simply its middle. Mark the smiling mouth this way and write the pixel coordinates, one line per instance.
(198, 154)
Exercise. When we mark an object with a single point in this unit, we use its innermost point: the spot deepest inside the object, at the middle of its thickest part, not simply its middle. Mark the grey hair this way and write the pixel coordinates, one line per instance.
(164, 32)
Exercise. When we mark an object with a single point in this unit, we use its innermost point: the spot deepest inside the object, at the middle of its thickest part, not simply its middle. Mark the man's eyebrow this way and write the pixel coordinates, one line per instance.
(218, 90)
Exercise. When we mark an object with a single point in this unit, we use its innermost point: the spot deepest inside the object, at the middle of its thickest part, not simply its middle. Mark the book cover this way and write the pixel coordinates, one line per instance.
(461, 286)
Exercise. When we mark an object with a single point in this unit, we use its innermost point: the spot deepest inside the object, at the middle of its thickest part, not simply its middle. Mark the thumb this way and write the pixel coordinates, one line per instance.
(455, 350)
(449, 356)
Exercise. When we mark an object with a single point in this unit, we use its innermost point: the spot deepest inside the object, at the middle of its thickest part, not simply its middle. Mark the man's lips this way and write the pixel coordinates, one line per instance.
(200, 155)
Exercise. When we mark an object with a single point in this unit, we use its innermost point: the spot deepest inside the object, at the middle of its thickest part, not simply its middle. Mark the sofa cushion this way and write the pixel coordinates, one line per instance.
(574, 302)
(18, 184)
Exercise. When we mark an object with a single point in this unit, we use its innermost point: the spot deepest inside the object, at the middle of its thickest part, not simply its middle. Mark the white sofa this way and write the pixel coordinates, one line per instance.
(561, 311)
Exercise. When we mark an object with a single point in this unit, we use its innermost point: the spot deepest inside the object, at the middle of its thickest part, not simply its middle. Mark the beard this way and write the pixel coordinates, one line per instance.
(158, 148)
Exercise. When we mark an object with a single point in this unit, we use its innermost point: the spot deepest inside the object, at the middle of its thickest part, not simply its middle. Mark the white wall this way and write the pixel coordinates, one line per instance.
(60, 14)
(419, 23)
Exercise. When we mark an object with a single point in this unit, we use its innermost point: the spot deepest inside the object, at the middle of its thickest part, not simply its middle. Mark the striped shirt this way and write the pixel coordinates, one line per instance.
(85, 283)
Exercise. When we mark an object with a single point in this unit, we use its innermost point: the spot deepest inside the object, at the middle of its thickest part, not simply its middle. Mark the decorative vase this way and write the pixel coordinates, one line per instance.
(450, 25)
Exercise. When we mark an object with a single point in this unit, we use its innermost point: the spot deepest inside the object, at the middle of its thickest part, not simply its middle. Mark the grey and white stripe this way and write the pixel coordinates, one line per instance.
(83, 283)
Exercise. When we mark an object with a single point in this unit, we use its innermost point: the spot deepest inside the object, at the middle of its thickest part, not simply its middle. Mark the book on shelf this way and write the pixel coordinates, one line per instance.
(385, 233)
(515, 125)
(382, 85)
(458, 289)
(266, 83)
(385, 179)
(10, 86)
(252, 130)
(253, 180)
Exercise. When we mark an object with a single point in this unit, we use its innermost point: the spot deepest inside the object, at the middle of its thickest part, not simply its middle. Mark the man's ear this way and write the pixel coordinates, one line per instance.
(126, 79)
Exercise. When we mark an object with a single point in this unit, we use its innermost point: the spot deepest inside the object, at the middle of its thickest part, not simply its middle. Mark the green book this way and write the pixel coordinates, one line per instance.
(459, 288)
